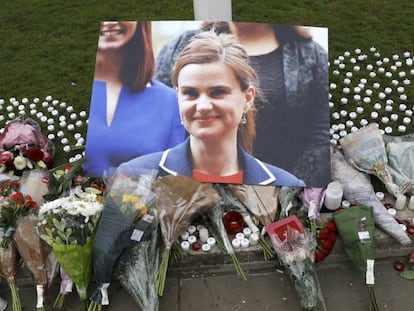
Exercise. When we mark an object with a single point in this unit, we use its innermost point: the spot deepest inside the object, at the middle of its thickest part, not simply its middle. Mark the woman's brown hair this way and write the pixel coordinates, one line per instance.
(138, 66)
(209, 47)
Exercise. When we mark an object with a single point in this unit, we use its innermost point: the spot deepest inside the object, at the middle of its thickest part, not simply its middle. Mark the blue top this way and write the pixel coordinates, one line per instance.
(177, 161)
(144, 122)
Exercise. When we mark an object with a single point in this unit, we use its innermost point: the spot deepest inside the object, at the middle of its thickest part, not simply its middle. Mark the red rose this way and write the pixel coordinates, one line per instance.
(35, 155)
(330, 226)
(327, 244)
(6, 158)
(68, 167)
(332, 236)
(16, 196)
(324, 234)
(319, 256)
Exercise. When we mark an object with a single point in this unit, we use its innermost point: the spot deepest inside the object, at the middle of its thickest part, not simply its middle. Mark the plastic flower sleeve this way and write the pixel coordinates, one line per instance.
(261, 201)
(365, 150)
(356, 228)
(288, 199)
(179, 200)
(137, 270)
(8, 271)
(401, 163)
(34, 252)
(128, 198)
(358, 190)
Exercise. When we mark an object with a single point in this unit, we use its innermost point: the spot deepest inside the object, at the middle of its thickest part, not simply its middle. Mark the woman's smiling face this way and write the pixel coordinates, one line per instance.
(114, 35)
(211, 100)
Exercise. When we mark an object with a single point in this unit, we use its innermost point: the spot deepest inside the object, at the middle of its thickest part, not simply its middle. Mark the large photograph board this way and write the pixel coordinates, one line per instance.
(221, 102)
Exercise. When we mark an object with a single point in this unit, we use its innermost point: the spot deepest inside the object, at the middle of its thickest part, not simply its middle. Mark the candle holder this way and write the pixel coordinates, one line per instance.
(233, 222)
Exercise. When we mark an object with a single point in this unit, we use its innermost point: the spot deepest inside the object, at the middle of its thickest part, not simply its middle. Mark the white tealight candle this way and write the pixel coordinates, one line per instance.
(368, 92)
(343, 113)
(388, 90)
(341, 126)
(349, 123)
(406, 82)
(412, 71)
(185, 235)
(395, 57)
(336, 136)
(402, 128)
(359, 109)
(344, 101)
(357, 68)
(191, 239)
(55, 102)
(333, 195)
(402, 107)
(385, 120)
(367, 100)
(403, 97)
(379, 195)
(376, 85)
(191, 229)
(388, 130)
(409, 62)
(66, 148)
(402, 74)
(78, 123)
(336, 115)
(393, 68)
(363, 122)
(332, 86)
(331, 105)
(381, 95)
(69, 109)
(50, 127)
(62, 105)
(388, 108)
(370, 67)
(392, 212)
(82, 113)
(357, 97)
(211, 241)
(245, 243)
(400, 89)
(345, 204)
(254, 238)
(377, 106)
(48, 98)
(55, 113)
(247, 231)
(205, 248)
(409, 113)
(394, 117)
(378, 63)
(352, 115)
(240, 236)
(341, 66)
(62, 124)
(51, 136)
(406, 120)
(347, 81)
(45, 104)
(203, 232)
(71, 127)
(346, 90)
(374, 115)
(12, 115)
(354, 129)
(185, 245)
(236, 243)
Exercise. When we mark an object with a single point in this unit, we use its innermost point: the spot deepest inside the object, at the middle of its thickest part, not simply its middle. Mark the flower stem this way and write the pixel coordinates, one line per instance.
(162, 272)
(268, 252)
(83, 305)
(59, 301)
(238, 268)
(373, 299)
(15, 297)
(94, 306)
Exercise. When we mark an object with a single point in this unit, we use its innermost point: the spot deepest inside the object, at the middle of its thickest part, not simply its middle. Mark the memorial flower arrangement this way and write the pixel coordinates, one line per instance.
(8, 271)
(127, 201)
(13, 207)
(69, 225)
(295, 247)
(23, 147)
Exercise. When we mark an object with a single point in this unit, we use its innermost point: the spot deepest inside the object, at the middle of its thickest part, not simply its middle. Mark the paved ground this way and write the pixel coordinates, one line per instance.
(265, 289)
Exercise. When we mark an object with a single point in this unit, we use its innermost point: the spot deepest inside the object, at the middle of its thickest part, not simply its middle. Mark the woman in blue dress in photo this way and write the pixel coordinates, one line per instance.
(131, 114)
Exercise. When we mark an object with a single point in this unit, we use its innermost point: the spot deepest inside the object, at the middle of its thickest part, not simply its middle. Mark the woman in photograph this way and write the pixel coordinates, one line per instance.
(131, 113)
(216, 89)
(292, 117)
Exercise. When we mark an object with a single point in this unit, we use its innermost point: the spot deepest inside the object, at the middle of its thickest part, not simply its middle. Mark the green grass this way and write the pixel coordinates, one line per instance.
(48, 47)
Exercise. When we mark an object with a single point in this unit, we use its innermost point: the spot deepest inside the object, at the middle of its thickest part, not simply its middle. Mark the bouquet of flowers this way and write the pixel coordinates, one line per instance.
(288, 199)
(37, 256)
(326, 237)
(23, 146)
(179, 201)
(365, 150)
(13, 207)
(137, 270)
(8, 270)
(295, 247)
(356, 228)
(69, 225)
(358, 190)
(127, 201)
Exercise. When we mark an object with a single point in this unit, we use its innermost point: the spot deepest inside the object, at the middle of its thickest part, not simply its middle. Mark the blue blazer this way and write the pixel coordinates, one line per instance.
(177, 161)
